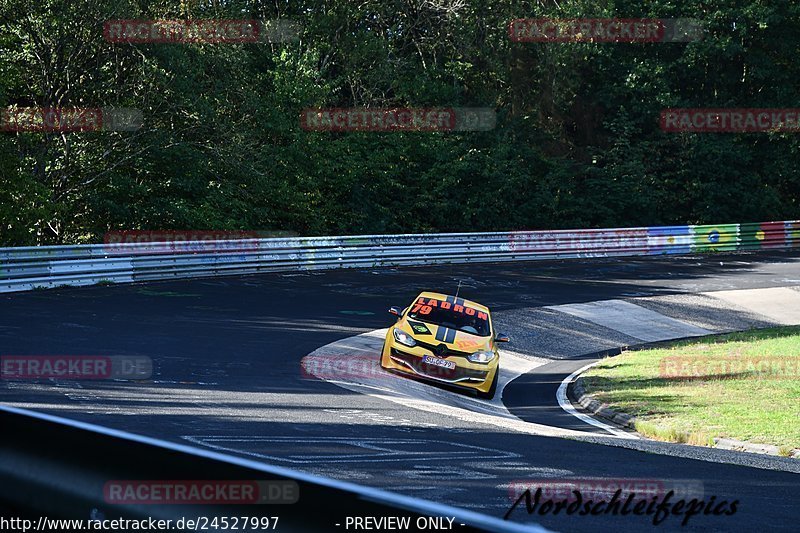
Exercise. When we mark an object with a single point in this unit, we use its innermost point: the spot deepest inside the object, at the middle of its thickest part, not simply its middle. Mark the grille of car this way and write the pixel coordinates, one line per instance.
(447, 353)
(438, 372)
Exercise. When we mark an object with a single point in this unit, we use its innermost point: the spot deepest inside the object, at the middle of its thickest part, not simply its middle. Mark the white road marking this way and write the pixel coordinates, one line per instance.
(379, 449)
(566, 405)
(779, 304)
(443, 472)
(632, 320)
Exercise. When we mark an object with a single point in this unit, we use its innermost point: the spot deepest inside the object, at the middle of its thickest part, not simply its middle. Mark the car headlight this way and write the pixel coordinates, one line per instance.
(481, 357)
(404, 338)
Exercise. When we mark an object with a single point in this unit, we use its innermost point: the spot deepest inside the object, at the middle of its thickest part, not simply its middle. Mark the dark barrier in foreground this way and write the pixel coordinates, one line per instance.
(58, 468)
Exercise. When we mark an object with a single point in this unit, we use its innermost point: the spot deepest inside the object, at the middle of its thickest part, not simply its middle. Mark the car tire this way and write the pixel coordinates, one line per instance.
(490, 393)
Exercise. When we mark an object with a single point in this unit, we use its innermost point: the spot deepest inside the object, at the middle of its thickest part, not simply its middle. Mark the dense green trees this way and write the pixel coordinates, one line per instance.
(577, 142)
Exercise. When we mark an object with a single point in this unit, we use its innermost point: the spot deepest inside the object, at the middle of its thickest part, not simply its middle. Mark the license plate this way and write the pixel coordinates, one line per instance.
(438, 362)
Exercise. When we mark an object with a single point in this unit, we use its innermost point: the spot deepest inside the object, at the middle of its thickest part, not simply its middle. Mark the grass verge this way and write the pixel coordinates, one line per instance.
(743, 386)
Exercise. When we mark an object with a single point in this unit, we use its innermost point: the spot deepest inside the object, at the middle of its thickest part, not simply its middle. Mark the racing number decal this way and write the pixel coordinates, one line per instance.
(423, 309)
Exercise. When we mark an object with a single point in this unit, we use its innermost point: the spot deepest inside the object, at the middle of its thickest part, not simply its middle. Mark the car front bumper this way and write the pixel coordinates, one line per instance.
(474, 376)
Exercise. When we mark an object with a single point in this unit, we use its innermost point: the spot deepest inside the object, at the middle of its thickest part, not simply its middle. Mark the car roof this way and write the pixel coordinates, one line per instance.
(442, 296)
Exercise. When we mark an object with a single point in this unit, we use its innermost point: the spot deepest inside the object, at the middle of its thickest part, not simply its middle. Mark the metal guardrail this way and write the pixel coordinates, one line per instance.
(26, 268)
(60, 469)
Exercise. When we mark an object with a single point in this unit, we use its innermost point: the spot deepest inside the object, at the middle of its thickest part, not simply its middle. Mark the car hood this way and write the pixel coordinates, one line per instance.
(452, 338)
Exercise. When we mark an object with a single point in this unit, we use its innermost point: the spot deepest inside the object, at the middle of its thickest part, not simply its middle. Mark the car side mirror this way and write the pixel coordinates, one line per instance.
(501, 337)
(395, 311)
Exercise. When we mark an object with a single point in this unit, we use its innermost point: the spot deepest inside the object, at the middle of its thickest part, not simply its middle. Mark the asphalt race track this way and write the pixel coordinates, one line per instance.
(227, 355)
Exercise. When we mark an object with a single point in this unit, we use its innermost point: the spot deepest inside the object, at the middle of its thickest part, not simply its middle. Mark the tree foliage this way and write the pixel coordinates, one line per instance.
(577, 141)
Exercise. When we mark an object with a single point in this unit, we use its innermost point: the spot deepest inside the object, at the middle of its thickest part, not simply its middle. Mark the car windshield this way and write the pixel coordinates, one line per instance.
(451, 315)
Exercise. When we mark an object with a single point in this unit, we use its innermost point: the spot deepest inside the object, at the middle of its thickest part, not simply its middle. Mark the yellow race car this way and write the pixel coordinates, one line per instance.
(445, 339)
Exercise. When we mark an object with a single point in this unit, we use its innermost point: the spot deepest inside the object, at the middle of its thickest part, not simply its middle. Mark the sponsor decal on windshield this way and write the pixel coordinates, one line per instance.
(425, 306)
